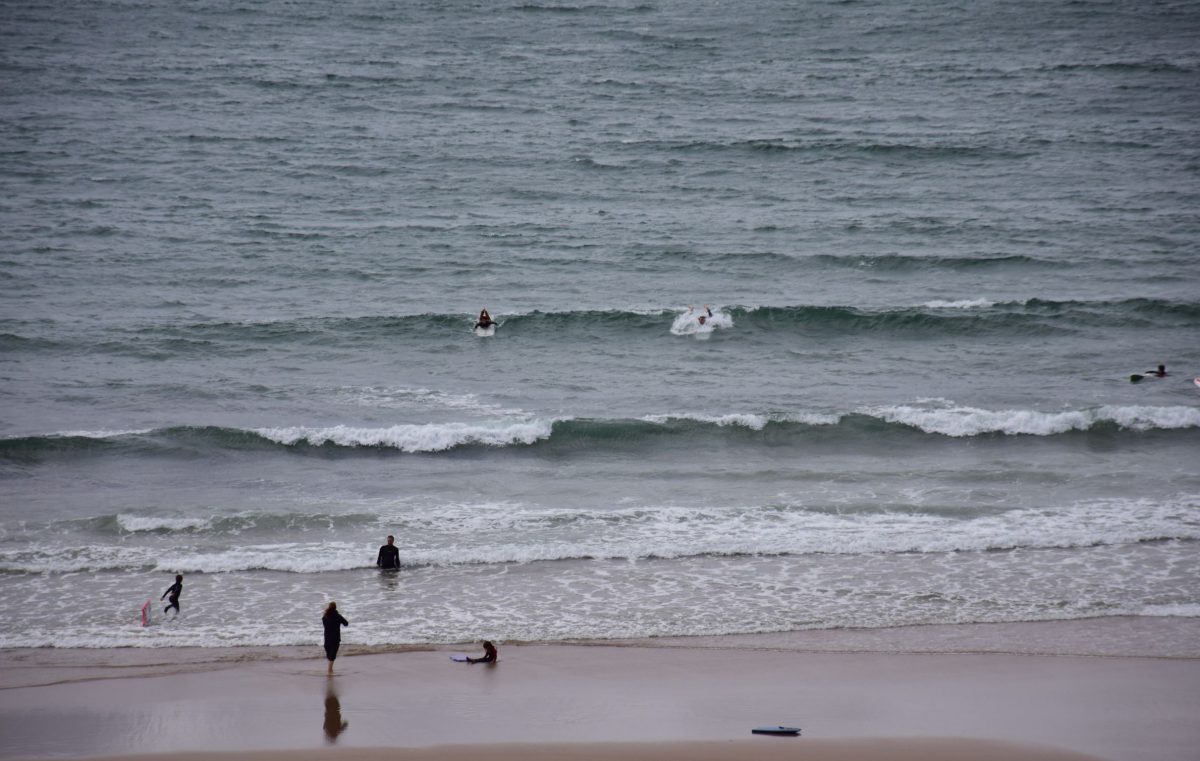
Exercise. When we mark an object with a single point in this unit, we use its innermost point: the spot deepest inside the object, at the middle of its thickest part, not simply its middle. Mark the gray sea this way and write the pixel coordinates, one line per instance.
(243, 246)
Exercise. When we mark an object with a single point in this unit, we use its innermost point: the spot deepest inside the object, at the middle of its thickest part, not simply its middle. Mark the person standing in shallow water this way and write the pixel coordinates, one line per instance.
(174, 591)
(389, 555)
(333, 623)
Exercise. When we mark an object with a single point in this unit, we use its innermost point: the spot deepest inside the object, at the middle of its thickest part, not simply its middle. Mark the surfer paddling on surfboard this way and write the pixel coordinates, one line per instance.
(485, 320)
(1161, 372)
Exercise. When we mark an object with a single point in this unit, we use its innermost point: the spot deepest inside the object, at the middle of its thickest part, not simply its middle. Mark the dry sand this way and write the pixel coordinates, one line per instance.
(647, 700)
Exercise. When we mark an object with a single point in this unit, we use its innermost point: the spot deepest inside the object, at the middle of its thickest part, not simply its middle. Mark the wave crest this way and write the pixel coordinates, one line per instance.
(939, 419)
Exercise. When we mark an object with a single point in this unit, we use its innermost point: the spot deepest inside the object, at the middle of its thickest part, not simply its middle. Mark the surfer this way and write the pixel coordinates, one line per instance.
(702, 318)
(174, 591)
(1161, 372)
(489, 654)
(333, 623)
(389, 555)
(485, 319)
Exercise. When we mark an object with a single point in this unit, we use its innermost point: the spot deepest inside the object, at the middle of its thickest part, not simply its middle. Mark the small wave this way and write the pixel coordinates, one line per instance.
(940, 418)
(413, 438)
(1157, 66)
(976, 316)
(970, 421)
(822, 148)
(123, 524)
(900, 262)
(962, 304)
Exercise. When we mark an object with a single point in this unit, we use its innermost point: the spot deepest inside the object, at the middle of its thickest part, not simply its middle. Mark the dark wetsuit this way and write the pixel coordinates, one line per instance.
(489, 655)
(174, 591)
(483, 324)
(389, 557)
(333, 623)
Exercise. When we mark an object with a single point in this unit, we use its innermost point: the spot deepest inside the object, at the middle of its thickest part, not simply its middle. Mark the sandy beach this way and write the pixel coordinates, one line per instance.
(990, 691)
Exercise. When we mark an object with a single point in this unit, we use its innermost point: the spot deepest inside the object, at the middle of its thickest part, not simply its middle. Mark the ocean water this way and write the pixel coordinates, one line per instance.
(242, 246)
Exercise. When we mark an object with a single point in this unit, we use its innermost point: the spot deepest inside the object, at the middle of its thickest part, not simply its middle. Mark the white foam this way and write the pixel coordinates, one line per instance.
(135, 523)
(677, 531)
(293, 557)
(749, 420)
(432, 437)
(971, 421)
(746, 420)
(444, 535)
(102, 434)
(688, 323)
(423, 398)
(961, 304)
(1179, 611)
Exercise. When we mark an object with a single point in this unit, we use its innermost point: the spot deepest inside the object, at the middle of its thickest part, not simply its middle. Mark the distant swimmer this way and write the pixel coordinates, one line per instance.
(485, 320)
(489, 654)
(389, 555)
(1161, 372)
(174, 591)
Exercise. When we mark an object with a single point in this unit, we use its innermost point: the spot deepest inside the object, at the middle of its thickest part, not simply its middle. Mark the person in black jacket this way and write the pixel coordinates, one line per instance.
(389, 556)
(333, 623)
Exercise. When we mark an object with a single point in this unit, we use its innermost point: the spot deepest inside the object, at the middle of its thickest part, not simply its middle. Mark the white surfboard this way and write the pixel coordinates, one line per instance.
(147, 613)
(490, 330)
(459, 658)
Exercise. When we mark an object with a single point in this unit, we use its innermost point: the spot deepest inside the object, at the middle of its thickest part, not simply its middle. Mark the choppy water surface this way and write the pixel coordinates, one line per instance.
(242, 248)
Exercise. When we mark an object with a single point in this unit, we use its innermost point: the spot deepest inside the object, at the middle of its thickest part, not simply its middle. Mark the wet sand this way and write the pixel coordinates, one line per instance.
(988, 692)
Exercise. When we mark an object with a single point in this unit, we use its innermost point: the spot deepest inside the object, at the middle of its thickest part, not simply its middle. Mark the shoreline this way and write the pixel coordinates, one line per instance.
(1124, 693)
(876, 749)
(1101, 637)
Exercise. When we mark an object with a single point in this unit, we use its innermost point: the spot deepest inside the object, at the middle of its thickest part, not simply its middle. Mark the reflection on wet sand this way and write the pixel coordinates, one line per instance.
(334, 725)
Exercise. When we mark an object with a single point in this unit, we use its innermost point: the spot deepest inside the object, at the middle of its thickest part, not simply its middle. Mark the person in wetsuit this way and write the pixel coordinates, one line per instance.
(485, 319)
(489, 654)
(333, 623)
(174, 591)
(1161, 372)
(702, 318)
(389, 555)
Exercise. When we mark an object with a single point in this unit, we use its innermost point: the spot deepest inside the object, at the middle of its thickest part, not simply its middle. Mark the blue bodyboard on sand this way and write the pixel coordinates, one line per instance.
(785, 731)
(459, 658)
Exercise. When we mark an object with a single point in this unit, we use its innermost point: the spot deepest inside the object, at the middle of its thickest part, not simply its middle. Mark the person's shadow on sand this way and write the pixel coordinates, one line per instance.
(334, 725)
